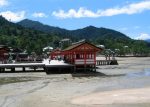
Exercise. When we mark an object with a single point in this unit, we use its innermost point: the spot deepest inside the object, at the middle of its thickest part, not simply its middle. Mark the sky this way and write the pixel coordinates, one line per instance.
(130, 17)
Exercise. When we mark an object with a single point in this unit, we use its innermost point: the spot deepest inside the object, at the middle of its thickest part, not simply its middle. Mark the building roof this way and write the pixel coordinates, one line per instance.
(66, 39)
(77, 44)
(4, 47)
(48, 48)
(56, 51)
(17, 50)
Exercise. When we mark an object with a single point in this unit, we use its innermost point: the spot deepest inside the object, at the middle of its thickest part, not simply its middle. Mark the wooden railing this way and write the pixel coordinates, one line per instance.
(103, 62)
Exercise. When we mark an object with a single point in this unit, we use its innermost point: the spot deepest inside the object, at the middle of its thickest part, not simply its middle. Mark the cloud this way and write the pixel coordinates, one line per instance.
(83, 12)
(123, 29)
(3, 3)
(136, 27)
(13, 16)
(39, 15)
(143, 36)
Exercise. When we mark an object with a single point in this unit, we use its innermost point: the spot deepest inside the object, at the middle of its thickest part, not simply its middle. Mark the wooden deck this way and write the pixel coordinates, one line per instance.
(34, 67)
(51, 68)
(21, 65)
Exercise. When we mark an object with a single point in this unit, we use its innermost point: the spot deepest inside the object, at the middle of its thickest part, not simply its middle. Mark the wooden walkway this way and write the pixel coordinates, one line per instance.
(35, 67)
(48, 68)
(21, 65)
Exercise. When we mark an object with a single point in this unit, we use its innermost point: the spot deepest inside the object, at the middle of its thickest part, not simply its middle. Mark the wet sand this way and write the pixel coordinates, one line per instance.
(126, 85)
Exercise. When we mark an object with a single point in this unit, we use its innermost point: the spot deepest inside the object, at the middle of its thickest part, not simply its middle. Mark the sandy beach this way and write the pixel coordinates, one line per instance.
(125, 85)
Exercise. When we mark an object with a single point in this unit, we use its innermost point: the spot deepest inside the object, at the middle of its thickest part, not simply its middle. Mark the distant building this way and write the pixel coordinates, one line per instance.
(4, 53)
(48, 49)
(65, 43)
(101, 46)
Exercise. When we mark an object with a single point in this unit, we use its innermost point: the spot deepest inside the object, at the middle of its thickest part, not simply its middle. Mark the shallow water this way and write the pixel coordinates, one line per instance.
(145, 73)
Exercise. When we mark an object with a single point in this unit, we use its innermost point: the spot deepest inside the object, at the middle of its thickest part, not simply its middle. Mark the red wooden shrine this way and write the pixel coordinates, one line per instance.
(55, 53)
(81, 53)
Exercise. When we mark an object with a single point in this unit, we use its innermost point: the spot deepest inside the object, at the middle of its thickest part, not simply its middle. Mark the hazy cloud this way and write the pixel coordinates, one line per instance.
(143, 36)
(83, 12)
(3, 3)
(123, 29)
(136, 27)
(13, 16)
(39, 14)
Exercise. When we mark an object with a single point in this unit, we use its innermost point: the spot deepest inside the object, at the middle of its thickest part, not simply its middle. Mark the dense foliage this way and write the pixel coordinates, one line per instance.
(27, 39)
(34, 36)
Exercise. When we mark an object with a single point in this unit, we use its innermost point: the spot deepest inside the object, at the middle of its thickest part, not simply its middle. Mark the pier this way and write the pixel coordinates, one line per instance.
(49, 68)
(35, 66)
(13, 67)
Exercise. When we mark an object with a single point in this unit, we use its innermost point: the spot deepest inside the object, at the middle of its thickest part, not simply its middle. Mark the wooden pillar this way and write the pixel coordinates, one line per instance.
(69, 57)
(72, 57)
(13, 69)
(34, 68)
(23, 69)
(74, 68)
(95, 58)
(44, 68)
(84, 55)
(95, 68)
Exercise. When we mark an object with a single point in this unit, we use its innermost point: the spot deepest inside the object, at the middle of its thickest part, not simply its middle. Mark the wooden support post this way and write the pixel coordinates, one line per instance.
(13, 69)
(3, 69)
(94, 57)
(0, 69)
(95, 68)
(23, 69)
(34, 68)
(74, 69)
(44, 69)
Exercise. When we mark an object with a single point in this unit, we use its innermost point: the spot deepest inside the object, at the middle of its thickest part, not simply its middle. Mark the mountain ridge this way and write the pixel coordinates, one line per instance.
(147, 40)
(89, 32)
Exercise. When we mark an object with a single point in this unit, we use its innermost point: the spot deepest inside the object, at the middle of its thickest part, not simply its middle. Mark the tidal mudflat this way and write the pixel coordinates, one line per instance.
(125, 85)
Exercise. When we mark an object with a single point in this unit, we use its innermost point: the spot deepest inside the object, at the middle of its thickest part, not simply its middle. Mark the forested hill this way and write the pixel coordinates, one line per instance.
(14, 35)
(94, 33)
(148, 40)
(89, 32)
(44, 28)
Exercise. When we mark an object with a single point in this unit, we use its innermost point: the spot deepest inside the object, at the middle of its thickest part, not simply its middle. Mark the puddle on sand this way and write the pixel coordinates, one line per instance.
(144, 73)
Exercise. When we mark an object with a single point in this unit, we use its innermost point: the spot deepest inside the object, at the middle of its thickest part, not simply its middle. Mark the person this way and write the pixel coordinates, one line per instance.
(10, 59)
(59, 58)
